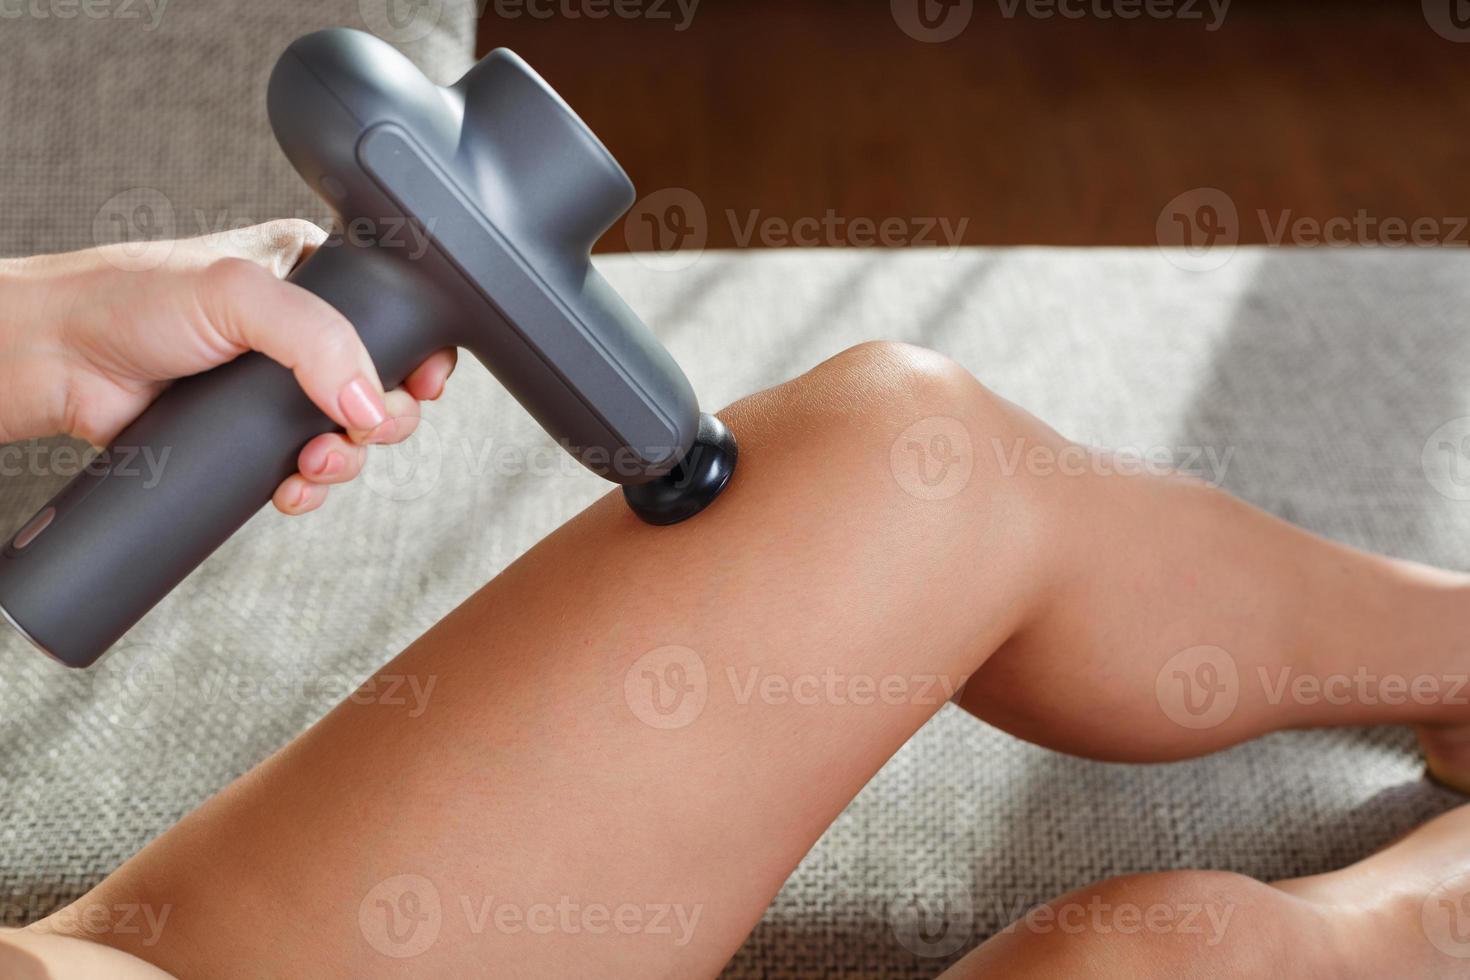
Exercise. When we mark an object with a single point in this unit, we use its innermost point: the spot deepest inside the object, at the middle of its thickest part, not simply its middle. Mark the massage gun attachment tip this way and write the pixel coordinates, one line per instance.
(694, 484)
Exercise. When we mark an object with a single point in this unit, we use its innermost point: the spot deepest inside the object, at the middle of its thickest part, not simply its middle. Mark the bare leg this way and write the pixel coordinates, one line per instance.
(1404, 911)
(632, 717)
(1205, 622)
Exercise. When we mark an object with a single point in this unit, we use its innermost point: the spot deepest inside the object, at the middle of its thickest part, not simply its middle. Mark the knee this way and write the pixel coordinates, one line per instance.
(896, 454)
(881, 380)
(904, 430)
(896, 396)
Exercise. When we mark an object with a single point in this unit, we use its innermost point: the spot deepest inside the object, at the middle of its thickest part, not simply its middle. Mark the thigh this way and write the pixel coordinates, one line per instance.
(631, 736)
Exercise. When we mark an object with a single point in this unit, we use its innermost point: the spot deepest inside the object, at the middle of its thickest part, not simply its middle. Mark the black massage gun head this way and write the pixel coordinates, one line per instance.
(694, 484)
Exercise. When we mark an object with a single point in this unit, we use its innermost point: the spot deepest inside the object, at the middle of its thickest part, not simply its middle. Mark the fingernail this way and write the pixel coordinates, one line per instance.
(362, 405)
(301, 496)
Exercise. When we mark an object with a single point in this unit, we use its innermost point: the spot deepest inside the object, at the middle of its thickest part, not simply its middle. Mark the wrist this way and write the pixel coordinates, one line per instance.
(32, 365)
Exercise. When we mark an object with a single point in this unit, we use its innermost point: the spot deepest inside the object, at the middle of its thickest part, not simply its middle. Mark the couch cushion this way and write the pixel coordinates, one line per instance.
(158, 120)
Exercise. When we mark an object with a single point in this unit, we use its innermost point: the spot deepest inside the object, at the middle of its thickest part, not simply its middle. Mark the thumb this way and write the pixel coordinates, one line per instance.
(248, 308)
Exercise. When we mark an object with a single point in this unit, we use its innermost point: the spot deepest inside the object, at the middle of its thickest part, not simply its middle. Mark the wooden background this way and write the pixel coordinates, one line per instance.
(1075, 131)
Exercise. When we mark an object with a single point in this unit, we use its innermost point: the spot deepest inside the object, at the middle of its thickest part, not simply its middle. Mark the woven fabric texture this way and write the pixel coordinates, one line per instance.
(1315, 384)
(149, 117)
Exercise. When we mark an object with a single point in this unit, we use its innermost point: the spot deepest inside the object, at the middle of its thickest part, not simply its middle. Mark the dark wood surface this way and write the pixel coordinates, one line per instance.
(1029, 130)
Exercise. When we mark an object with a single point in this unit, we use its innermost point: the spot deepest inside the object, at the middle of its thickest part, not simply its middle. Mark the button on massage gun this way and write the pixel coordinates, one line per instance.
(511, 190)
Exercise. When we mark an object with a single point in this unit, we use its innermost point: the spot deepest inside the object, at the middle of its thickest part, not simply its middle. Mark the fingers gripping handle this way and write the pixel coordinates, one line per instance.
(193, 468)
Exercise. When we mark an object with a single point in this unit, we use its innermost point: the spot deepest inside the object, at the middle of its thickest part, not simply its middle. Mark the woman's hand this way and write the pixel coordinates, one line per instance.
(87, 342)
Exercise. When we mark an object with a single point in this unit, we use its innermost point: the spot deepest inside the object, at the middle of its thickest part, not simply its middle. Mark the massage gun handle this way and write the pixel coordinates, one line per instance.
(194, 467)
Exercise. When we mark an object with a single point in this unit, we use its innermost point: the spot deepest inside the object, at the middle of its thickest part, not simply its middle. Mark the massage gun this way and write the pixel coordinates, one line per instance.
(510, 189)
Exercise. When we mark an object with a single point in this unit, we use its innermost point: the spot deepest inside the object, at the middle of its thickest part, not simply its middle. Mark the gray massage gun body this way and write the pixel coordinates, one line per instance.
(510, 189)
